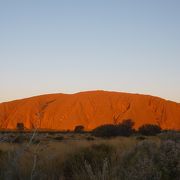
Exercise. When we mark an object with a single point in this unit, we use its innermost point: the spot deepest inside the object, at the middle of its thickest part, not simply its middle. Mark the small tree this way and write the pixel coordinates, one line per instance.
(20, 126)
(149, 129)
(79, 129)
(126, 127)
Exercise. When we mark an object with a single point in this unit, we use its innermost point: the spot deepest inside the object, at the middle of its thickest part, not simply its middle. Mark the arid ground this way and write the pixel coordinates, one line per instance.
(56, 156)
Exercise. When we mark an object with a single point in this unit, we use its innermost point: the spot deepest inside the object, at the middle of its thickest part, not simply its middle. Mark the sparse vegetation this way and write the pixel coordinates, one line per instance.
(170, 135)
(87, 161)
(19, 139)
(82, 156)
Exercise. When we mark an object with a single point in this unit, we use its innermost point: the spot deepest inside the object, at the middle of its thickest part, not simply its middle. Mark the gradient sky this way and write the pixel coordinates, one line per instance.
(50, 46)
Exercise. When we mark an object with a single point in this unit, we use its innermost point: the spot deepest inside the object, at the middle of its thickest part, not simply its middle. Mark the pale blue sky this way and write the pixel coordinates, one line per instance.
(50, 46)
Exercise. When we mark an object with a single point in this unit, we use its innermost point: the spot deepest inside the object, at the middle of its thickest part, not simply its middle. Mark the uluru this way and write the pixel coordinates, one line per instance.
(90, 109)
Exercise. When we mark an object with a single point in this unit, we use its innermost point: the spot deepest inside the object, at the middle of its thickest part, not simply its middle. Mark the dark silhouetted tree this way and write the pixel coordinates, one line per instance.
(107, 130)
(149, 129)
(20, 126)
(79, 129)
(111, 130)
(126, 127)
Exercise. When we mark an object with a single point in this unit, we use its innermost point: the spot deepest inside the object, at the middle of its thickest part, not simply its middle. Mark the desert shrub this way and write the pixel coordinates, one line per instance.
(149, 161)
(59, 138)
(111, 130)
(51, 133)
(140, 138)
(90, 138)
(7, 138)
(108, 130)
(19, 138)
(144, 160)
(20, 126)
(79, 129)
(168, 160)
(170, 135)
(88, 162)
(126, 127)
(36, 141)
(3, 157)
(138, 163)
(149, 129)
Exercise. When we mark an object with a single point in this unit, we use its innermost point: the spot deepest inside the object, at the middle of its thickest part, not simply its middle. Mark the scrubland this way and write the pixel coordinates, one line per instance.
(81, 156)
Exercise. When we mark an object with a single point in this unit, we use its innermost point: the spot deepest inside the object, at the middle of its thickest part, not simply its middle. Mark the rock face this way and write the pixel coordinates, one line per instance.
(90, 109)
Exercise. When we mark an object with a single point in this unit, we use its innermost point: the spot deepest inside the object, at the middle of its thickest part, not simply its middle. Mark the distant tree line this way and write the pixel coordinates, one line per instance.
(125, 128)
